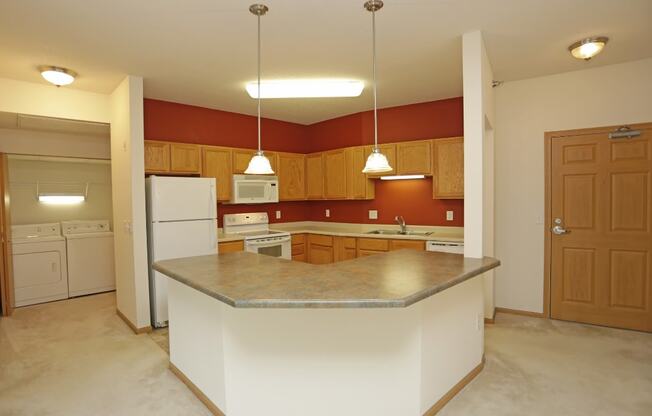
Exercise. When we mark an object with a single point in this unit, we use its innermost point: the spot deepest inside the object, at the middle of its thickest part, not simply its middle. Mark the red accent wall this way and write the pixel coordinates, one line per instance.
(412, 199)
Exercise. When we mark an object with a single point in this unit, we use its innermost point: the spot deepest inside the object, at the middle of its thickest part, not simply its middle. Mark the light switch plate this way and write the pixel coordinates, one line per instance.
(328, 213)
(449, 215)
(373, 214)
(278, 215)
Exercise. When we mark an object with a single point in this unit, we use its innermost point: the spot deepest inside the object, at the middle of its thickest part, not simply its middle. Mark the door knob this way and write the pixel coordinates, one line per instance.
(558, 229)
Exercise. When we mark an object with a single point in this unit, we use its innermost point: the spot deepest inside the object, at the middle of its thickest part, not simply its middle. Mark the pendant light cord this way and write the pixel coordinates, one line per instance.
(373, 28)
(259, 147)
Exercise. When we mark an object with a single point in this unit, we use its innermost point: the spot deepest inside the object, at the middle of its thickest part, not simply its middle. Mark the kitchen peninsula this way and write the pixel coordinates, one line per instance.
(388, 334)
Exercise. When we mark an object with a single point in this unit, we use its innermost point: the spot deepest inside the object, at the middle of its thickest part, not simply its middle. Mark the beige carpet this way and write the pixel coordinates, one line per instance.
(77, 357)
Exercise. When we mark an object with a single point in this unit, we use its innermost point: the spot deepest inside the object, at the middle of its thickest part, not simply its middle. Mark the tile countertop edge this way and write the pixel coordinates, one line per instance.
(333, 304)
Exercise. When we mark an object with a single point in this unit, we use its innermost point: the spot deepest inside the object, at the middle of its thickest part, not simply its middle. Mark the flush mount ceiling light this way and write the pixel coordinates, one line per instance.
(376, 162)
(588, 48)
(306, 88)
(259, 164)
(57, 75)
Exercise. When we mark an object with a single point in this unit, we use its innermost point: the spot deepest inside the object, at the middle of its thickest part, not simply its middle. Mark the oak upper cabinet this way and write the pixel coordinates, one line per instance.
(335, 174)
(157, 157)
(185, 158)
(291, 176)
(413, 158)
(358, 185)
(314, 176)
(389, 150)
(448, 168)
(241, 158)
(217, 163)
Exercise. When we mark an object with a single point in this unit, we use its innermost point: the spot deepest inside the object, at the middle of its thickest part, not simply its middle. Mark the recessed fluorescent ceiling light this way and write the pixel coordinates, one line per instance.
(588, 48)
(306, 88)
(56, 75)
(61, 199)
(400, 177)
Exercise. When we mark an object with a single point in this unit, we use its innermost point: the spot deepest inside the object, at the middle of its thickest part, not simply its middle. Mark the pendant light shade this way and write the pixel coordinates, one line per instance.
(376, 162)
(259, 164)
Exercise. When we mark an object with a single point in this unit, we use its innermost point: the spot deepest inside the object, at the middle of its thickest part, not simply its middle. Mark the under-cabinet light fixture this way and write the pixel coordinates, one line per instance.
(401, 177)
(306, 88)
(52, 199)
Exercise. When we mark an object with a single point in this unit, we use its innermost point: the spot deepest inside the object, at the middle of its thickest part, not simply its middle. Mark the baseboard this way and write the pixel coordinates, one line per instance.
(195, 390)
(519, 312)
(143, 330)
(492, 319)
(454, 390)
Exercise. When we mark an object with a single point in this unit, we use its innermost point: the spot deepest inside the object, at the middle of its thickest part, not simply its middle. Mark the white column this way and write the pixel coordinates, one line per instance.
(478, 156)
(128, 180)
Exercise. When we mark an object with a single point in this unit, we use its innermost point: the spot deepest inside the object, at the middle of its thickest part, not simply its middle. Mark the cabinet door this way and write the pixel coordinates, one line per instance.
(413, 158)
(157, 157)
(314, 176)
(410, 244)
(364, 253)
(448, 175)
(389, 150)
(241, 158)
(230, 247)
(291, 176)
(335, 174)
(375, 244)
(217, 164)
(358, 185)
(344, 248)
(320, 254)
(184, 158)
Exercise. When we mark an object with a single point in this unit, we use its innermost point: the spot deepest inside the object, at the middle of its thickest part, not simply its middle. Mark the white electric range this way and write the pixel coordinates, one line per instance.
(258, 238)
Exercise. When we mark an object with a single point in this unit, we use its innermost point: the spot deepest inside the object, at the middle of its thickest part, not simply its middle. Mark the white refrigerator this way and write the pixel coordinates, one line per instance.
(181, 222)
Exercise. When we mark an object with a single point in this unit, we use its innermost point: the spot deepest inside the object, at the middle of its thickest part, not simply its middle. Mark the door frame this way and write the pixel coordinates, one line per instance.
(548, 137)
(7, 277)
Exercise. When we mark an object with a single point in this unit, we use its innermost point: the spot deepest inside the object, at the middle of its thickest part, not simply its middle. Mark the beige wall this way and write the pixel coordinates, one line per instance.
(608, 95)
(58, 176)
(128, 178)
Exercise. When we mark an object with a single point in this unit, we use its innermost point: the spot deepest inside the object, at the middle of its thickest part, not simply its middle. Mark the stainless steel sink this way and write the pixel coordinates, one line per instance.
(397, 232)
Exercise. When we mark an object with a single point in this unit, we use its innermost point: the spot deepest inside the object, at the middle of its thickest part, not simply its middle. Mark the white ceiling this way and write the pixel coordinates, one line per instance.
(202, 52)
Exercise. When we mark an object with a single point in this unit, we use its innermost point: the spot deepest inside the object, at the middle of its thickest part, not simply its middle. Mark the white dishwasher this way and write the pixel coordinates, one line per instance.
(445, 247)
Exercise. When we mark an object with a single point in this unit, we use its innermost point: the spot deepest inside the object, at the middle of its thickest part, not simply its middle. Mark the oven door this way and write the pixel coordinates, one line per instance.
(275, 247)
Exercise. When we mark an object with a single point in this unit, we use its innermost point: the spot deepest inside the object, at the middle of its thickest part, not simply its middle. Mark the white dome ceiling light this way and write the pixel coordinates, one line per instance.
(57, 75)
(588, 48)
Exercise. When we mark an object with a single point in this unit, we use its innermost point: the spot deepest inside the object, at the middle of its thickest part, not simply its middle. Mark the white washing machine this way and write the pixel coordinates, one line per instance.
(91, 267)
(39, 257)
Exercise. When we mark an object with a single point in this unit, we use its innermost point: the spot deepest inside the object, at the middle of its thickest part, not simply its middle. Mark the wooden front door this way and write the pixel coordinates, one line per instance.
(601, 250)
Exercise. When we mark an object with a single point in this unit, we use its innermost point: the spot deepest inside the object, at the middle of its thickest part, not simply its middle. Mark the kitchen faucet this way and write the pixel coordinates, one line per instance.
(401, 222)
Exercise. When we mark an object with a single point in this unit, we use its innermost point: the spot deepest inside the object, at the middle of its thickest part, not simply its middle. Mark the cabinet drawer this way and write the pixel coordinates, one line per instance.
(411, 244)
(298, 249)
(376, 244)
(364, 253)
(298, 239)
(322, 240)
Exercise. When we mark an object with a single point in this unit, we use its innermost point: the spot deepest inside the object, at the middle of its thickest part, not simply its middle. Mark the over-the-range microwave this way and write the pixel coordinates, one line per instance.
(254, 189)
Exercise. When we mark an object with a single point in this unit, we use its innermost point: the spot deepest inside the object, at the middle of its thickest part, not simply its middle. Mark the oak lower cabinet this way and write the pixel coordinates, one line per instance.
(335, 170)
(230, 246)
(291, 176)
(157, 157)
(414, 158)
(448, 168)
(358, 184)
(409, 244)
(217, 163)
(320, 249)
(370, 246)
(344, 248)
(314, 176)
(389, 150)
(241, 158)
(299, 247)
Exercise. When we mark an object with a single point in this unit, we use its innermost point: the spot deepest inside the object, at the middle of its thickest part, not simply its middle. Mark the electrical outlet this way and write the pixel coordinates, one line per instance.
(278, 215)
(328, 213)
(373, 214)
(449, 215)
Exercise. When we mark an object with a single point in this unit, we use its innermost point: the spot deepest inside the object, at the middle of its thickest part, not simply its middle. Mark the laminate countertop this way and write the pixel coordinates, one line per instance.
(395, 279)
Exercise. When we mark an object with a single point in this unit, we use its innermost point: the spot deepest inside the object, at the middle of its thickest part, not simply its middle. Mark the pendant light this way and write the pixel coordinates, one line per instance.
(376, 162)
(259, 164)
